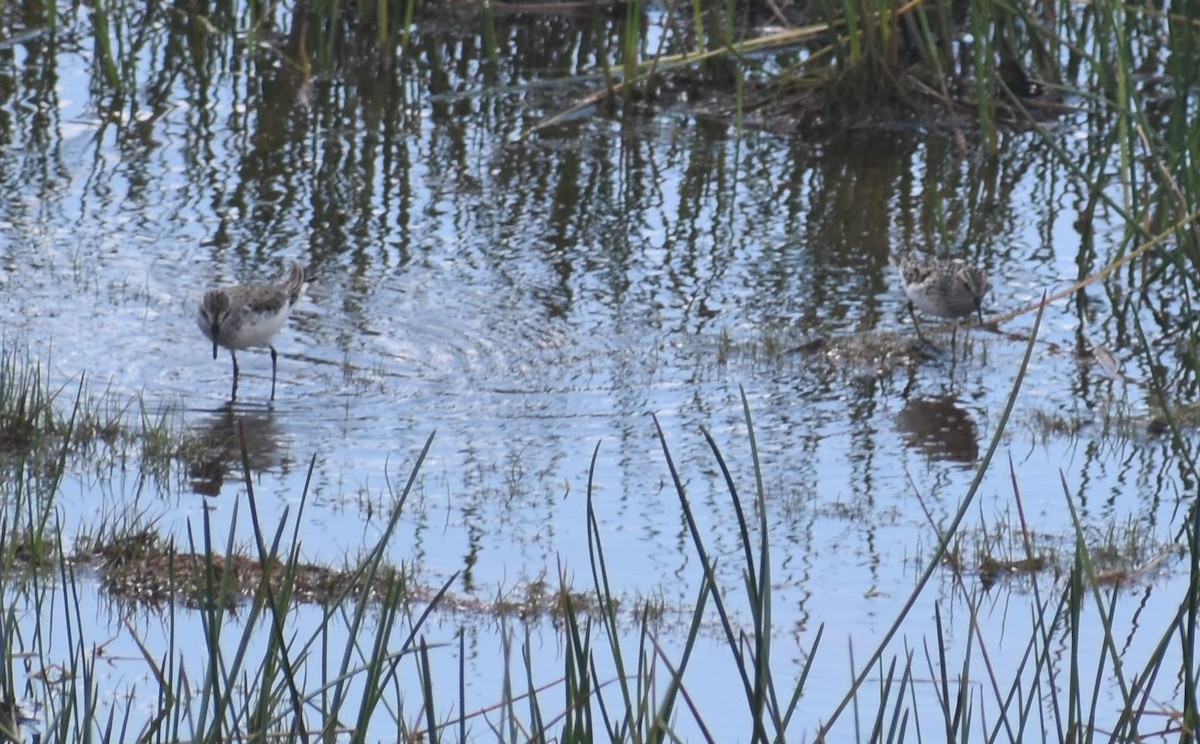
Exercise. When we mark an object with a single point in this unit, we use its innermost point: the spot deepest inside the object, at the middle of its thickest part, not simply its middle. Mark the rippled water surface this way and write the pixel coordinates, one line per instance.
(525, 299)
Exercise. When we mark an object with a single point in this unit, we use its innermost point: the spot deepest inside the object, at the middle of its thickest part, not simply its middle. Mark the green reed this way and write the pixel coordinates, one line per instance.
(104, 45)
(631, 43)
(866, 56)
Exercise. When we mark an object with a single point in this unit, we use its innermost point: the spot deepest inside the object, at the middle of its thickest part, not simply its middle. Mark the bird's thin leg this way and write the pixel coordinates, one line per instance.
(274, 357)
(233, 393)
(916, 323)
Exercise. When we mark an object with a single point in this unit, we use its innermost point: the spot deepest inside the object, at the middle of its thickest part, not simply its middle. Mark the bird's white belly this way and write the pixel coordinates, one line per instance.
(253, 329)
(926, 303)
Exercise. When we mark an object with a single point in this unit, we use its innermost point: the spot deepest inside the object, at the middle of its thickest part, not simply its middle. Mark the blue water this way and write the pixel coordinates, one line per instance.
(524, 301)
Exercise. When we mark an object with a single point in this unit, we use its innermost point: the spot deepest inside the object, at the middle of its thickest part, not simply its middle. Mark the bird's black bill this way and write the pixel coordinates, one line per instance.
(214, 338)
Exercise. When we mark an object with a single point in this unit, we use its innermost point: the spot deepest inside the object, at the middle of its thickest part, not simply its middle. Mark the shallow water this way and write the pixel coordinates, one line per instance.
(525, 300)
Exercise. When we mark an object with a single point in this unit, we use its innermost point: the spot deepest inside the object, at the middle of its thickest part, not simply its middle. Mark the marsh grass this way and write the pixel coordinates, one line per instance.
(42, 425)
(27, 413)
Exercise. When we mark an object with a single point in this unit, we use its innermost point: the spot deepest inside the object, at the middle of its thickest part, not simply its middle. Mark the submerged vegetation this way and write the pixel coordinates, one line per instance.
(364, 669)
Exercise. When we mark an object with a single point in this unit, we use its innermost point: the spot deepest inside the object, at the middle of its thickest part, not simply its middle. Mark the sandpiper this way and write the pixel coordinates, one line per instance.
(250, 315)
(950, 288)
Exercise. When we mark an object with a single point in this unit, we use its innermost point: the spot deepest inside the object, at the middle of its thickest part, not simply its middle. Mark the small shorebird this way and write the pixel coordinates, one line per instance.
(249, 315)
(949, 288)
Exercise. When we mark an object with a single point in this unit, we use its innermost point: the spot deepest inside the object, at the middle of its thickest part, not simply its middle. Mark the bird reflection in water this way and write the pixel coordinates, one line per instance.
(218, 446)
(940, 428)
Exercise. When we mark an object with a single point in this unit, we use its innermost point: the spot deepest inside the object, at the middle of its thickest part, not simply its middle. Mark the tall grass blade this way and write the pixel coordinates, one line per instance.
(604, 595)
(104, 47)
(731, 638)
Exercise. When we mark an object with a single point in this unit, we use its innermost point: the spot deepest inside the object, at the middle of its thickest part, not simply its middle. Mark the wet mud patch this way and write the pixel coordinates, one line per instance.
(881, 351)
(826, 103)
(143, 568)
(876, 352)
